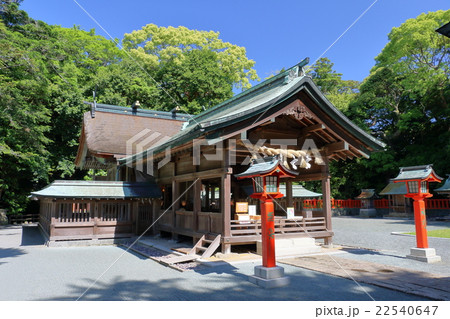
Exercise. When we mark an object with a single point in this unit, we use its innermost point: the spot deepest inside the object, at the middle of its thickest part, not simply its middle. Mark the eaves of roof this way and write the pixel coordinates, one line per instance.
(99, 190)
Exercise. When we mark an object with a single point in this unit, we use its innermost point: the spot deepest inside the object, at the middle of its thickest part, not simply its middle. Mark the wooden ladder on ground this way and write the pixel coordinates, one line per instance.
(203, 249)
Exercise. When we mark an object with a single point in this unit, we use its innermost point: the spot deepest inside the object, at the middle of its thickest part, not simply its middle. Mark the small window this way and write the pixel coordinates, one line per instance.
(413, 187)
(423, 187)
(259, 186)
(271, 184)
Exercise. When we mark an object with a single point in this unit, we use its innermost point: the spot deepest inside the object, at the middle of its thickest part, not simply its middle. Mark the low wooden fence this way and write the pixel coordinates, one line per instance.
(437, 203)
(430, 203)
(20, 219)
(91, 219)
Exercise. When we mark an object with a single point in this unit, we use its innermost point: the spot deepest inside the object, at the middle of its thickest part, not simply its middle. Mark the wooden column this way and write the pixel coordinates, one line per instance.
(51, 231)
(95, 209)
(289, 199)
(225, 199)
(175, 207)
(156, 205)
(326, 194)
(197, 203)
(226, 210)
(135, 216)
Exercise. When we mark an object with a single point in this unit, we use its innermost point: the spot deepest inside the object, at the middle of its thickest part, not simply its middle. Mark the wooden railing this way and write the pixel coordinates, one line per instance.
(381, 203)
(432, 203)
(282, 226)
(345, 203)
(20, 219)
(73, 212)
(378, 203)
(335, 203)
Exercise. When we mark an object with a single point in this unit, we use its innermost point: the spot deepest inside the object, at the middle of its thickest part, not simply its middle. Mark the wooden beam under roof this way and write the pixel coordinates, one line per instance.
(336, 147)
(312, 128)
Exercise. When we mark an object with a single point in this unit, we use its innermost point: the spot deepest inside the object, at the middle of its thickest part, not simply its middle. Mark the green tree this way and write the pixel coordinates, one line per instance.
(340, 92)
(44, 74)
(191, 84)
(190, 59)
(23, 120)
(405, 99)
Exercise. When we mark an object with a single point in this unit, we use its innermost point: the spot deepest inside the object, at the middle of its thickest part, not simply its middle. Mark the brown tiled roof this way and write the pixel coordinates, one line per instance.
(107, 133)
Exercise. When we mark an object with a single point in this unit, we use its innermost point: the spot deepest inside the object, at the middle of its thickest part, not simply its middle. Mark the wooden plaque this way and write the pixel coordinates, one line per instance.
(241, 207)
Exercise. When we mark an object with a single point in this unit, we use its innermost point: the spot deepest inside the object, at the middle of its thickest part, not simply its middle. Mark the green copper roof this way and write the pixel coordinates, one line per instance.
(444, 189)
(415, 172)
(257, 101)
(140, 112)
(394, 189)
(299, 191)
(99, 189)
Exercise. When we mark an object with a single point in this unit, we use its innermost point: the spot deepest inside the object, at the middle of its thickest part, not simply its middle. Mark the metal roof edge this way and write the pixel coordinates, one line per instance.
(251, 91)
(124, 110)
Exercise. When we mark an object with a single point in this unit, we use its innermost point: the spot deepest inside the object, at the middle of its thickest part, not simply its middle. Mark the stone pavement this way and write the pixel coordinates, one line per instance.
(31, 271)
(413, 282)
(36, 272)
(381, 246)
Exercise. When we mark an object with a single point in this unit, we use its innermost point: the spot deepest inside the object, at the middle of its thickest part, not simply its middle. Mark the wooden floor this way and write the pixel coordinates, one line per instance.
(405, 280)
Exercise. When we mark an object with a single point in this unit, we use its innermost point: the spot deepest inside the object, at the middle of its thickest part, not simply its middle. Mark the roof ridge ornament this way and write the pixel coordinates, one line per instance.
(293, 73)
(299, 112)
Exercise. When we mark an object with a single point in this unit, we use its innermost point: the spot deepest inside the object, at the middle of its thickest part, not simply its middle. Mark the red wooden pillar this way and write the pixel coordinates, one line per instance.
(268, 232)
(421, 222)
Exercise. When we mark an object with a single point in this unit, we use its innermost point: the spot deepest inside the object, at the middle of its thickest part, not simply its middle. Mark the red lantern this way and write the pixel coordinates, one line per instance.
(266, 176)
(416, 179)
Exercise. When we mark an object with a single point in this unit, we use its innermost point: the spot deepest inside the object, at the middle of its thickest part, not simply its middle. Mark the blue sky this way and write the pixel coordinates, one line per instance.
(275, 34)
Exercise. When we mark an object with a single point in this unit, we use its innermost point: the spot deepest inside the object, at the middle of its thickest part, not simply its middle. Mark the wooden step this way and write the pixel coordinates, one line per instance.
(179, 259)
(211, 248)
(202, 248)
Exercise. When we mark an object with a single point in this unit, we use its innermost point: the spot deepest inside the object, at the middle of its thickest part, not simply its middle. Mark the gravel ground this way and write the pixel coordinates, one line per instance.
(32, 271)
(385, 248)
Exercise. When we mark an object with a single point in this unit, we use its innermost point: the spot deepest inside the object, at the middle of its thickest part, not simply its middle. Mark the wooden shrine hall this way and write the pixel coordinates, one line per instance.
(286, 115)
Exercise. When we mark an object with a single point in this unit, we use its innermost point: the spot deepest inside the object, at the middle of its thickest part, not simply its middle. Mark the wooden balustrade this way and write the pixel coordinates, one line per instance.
(433, 203)
(282, 226)
(20, 219)
(86, 219)
(430, 203)
(381, 203)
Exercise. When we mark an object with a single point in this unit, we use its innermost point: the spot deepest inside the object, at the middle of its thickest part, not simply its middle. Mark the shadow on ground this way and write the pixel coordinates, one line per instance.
(226, 283)
(362, 251)
(10, 252)
(31, 236)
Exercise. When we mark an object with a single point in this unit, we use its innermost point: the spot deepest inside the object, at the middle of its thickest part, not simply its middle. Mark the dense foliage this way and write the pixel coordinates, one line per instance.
(404, 102)
(46, 72)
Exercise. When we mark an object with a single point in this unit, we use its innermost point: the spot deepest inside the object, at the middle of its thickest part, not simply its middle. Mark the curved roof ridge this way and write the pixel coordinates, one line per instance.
(249, 93)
